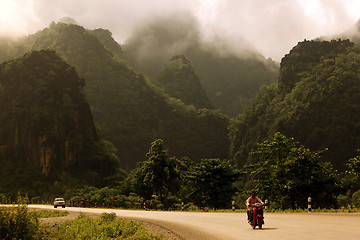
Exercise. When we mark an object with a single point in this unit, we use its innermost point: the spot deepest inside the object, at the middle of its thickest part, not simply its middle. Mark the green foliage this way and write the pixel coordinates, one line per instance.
(354, 166)
(350, 200)
(156, 176)
(129, 112)
(103, 197)
(48, 213)
(18, 223)
(306, 55)
(316, 101)
(211, 183)
(127, 108)
(231, 82)
(350, 183)
(195, 133)
(287, 174)
(107, 226)
(47, 126)
(179, 80)
(105, 37)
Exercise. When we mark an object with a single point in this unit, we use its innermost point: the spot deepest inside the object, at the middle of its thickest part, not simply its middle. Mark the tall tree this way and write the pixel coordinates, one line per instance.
(157, 175)
(287, 173)
(212, 183)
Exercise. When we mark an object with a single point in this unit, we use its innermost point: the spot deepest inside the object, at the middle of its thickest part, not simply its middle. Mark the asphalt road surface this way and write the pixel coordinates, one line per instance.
(207, 225)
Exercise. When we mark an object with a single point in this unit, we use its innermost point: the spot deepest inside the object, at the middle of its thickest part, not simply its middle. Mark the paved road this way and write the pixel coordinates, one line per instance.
(289, 226)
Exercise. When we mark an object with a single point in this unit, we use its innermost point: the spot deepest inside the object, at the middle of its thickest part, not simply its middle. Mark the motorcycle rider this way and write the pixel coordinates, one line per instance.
(250, 204)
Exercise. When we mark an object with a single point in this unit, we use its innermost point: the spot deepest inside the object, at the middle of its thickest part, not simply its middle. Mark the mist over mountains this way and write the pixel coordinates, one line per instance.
(231, 76)
(154, 42)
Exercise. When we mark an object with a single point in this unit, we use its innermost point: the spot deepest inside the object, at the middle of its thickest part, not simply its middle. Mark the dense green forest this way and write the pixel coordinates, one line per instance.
(286, 173)
(316, 101)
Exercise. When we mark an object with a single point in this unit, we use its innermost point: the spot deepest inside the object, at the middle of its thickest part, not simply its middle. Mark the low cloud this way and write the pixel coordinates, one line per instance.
(272, 27)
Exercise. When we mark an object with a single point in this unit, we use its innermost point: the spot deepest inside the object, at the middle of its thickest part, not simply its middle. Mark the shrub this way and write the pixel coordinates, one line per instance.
(18, 224)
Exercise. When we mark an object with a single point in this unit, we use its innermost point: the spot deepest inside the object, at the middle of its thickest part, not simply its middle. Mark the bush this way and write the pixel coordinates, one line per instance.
(107, 217)
(171, 202)
(356, 199)
(18, 224)
(349, 201)
(102, 197)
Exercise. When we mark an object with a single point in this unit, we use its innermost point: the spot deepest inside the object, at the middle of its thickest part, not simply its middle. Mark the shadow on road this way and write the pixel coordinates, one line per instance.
(269, 228)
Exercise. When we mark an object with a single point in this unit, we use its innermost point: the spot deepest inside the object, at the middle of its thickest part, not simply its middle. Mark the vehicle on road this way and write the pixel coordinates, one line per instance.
(257, 216)
(59, 202)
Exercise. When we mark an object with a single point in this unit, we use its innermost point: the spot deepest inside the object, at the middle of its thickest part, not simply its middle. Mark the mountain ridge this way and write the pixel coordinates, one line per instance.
(127, 108)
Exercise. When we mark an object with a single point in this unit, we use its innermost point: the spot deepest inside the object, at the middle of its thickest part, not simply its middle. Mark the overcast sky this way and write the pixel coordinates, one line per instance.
(273, 27)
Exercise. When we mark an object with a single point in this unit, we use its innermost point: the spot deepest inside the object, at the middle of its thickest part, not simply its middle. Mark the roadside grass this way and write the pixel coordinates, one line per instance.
(17, 222)
(107, 226)
(48, 213)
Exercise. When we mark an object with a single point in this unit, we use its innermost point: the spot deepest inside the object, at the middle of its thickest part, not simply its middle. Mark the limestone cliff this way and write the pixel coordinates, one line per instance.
(44, 116)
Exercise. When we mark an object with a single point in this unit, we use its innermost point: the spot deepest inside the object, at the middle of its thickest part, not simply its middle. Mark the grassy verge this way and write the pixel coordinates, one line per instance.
(48, 213)
(18, 223)
(107, 226)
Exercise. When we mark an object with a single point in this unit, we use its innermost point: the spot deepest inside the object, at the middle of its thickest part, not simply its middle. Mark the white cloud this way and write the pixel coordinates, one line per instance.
(16, 16)
(272, 26)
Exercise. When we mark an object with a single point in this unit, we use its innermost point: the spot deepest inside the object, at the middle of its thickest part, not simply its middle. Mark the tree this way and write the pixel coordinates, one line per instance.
(157, 175)
(287, 173)
(351, 177)
(211, 183)
(354, 165)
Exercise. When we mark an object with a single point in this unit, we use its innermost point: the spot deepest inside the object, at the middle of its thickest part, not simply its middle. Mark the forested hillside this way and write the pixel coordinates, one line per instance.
(230, 79)
(47, 128)
(132, 112)
(316, 101)
(179, 80)
(50, 99)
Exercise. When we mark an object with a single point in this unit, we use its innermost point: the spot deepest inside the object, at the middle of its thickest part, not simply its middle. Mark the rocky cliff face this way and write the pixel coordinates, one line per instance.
(44, 117)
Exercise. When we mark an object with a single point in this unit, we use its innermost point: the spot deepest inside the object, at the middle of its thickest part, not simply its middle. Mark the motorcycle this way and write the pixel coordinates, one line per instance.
(257, 216)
